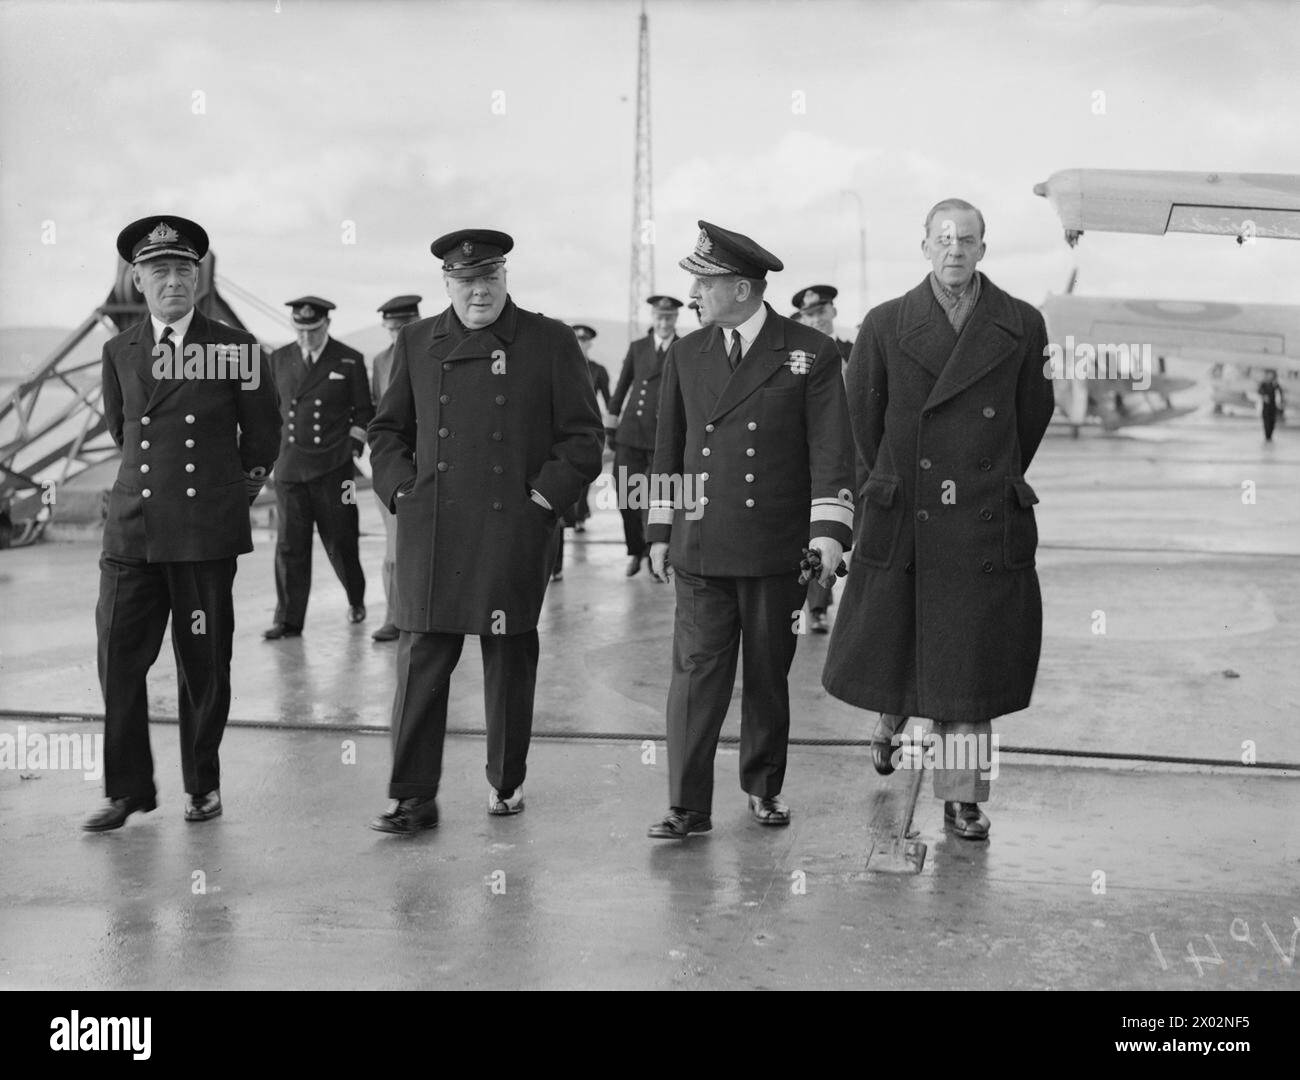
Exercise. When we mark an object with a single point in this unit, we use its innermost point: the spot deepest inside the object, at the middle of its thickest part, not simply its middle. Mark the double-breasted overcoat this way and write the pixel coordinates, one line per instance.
(941, 615)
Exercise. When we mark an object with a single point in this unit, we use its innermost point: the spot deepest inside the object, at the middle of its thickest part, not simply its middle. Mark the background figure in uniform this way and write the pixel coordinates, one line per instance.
(752, 414)
(325, 398)
(600, 380)
(397, 312)
(633, 416)
(941, 615)
(1269, 392)
(816, 309)
(489, 427)
(575, 516)
(195, 453)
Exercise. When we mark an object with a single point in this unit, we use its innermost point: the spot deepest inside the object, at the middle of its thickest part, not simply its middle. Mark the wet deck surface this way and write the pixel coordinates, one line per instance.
(1151, 530)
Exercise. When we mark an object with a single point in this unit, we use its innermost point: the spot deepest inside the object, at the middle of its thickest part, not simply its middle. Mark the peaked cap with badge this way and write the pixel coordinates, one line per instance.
(720, 251)
(471, 253)
(162, 235)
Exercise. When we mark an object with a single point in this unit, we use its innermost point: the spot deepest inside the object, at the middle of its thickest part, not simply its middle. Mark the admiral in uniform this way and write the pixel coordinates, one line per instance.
(634, 415)
(489, 427)
(397, 312)
(941, 615)
(753, 409)
(195, 453)
(815, 307)
(325, 397)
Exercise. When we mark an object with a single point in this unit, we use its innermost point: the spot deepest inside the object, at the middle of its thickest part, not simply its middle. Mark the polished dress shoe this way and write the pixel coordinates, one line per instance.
(771, 811)
(408, 816)
(882, 742)
(818, 622)
(387, 632)
(281, 630)
(357, 613)
(114, 813)
(634, 565)
(499, 806)
(558, 575)
(203, 807)
(966, 820)
(679, 824)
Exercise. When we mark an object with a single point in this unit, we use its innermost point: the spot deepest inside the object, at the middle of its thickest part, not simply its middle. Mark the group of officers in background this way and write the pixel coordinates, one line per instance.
(485, 434)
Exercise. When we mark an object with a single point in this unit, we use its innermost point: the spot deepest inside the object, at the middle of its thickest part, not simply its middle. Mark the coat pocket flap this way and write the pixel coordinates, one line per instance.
(1025, 495)
(881, 490)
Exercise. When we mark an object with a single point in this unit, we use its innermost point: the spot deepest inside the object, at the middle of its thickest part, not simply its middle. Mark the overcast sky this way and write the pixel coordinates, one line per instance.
(314, 114)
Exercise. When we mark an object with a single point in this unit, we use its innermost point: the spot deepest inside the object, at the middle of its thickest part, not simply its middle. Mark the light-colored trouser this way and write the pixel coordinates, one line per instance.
(390, 556)
(959, 785)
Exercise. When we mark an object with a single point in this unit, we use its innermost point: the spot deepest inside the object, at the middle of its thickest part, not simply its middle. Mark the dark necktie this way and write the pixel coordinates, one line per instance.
(167, 340)
(733, 354)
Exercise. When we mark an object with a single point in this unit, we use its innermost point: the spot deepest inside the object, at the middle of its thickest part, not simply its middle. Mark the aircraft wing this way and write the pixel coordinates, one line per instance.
(1193, 329)
(1244, 205)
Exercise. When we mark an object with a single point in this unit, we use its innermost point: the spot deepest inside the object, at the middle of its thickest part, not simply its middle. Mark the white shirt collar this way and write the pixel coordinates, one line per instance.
(748, 330)
(315, 354)
(180, 327)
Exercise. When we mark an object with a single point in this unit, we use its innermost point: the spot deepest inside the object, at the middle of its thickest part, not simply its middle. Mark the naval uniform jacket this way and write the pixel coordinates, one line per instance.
(638, 388)
(768, 445)
(472, 420)
(941, 615)
(326, 409)
(188, 447)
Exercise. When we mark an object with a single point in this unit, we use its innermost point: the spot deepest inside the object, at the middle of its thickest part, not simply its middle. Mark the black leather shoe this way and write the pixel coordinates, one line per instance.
(387, 632)
(634, 565)
(771, 811)
(203, 807)
(966, 820)
(679, 824)
(818, 623)
(408, 816)
(281, 630)
(114, 813)
(882, 742)
(357, 613)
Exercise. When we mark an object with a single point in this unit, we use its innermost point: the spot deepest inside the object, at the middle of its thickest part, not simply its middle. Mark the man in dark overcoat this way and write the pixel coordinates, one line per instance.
(489, 429)
(941, 614)
(634, 415)
(325, 398)
(191, 405)
(754, 436)
(396, 312)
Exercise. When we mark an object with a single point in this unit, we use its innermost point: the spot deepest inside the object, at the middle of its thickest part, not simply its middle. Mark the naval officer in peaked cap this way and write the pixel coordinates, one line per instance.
(325, 397)
(396, 313)
(634, 415)
(196, 449)
(753, 426)
(488, 430)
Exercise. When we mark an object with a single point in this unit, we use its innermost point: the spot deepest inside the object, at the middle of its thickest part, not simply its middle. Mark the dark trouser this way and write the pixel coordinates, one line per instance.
(637, 463)
(135, 600)
(820, 597)
(424, 666)
(326, 504)
(718, 618)
(1270, 419)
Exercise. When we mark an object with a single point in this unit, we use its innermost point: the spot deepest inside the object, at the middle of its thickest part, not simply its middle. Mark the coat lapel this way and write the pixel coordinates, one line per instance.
(453, 341)
(765, 356)
(924, 333)
(319, 369)
(990, 335)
